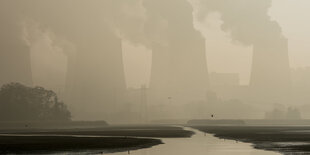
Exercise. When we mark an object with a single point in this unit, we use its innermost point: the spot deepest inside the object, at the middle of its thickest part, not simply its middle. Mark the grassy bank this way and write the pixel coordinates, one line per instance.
(276, 138)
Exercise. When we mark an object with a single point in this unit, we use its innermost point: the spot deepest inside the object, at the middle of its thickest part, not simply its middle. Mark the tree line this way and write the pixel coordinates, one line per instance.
(22, 103)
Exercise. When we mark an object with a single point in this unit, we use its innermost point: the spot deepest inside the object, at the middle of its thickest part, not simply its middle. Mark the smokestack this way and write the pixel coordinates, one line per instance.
(15, 63)
(179, 69)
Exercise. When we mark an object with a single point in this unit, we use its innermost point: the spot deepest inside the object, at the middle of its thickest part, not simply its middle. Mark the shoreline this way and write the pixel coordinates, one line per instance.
(102, 140)
(279, 139)
(111, 131)
(54, 144)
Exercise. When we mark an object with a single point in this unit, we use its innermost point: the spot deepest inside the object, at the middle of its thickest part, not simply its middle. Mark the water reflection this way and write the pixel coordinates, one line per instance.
(199, 144)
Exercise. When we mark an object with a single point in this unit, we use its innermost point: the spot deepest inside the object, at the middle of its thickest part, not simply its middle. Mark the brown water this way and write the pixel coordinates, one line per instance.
(199, 144)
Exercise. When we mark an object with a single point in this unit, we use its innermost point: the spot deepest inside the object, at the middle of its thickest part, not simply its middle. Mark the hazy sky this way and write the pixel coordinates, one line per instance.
(225, 56)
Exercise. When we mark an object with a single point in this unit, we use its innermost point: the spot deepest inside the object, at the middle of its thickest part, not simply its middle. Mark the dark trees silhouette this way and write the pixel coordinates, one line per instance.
(22, 103)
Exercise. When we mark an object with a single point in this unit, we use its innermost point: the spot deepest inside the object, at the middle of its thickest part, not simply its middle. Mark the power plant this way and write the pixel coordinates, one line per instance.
(95, 81)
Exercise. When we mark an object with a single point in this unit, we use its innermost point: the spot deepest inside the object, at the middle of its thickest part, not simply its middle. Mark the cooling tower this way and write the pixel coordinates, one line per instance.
(270, 77)
(179, 71)
(15, 63)
(14, 54)
(96, 81)
(95, 78)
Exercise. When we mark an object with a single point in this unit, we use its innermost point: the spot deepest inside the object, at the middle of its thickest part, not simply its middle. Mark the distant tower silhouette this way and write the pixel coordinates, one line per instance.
(180, 73)
(179, 68)
(144, 106)
(96, 80)
(270, 77)
(15, 63)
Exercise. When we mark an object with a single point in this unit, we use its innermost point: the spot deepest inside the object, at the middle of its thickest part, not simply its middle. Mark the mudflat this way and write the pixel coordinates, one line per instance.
(284, 139)
(106, 139)
(129, 131)
(50, 144)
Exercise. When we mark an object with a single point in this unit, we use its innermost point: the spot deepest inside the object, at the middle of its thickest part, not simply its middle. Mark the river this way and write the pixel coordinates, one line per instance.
(199, 144)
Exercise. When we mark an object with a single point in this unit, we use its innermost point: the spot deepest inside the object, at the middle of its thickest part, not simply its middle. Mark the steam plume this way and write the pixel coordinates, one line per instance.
(248, 22)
